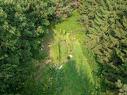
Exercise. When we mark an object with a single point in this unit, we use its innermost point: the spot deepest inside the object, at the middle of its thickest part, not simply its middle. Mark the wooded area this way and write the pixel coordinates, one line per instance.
(63, 47)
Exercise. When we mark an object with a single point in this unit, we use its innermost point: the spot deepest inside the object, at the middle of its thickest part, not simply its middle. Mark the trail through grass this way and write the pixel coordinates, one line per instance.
(77, 72)
(64, 76)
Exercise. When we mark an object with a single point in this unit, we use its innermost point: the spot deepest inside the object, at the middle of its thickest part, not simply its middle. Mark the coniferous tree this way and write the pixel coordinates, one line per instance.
(105, 23)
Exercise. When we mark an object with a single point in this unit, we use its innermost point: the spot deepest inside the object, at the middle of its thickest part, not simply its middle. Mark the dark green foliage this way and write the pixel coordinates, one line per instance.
(64, 9)
(48, 83)
(105, 22)
(22, 24)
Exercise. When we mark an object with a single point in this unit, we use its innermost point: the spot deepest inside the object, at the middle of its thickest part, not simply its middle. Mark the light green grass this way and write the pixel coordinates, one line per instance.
(78, 78)
(70, 23)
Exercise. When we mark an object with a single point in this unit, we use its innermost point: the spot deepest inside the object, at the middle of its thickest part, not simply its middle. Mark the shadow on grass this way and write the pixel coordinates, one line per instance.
(65, 81)
(76, 81)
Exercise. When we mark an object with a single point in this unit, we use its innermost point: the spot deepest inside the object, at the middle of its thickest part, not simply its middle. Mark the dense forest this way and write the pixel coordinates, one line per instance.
(63, 47)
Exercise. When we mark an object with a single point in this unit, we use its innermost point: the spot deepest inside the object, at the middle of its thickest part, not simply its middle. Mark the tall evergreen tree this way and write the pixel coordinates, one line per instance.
(105, 22)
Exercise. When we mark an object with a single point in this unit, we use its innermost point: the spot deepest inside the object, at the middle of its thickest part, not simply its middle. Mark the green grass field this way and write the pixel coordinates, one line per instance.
(78, 78)
(63, 76)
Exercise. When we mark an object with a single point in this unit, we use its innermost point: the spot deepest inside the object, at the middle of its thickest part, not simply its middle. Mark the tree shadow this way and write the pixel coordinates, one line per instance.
(75, 81)
(69, 80)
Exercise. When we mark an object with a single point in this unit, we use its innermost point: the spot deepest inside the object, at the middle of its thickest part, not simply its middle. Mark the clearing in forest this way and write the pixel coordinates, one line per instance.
(75, 74)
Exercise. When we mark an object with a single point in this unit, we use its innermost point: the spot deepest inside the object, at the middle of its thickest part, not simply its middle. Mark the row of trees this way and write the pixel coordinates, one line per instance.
(22, 26)
(105, 22)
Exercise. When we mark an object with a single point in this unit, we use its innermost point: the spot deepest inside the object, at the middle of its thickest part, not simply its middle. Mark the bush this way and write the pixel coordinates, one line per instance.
(64, 9)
